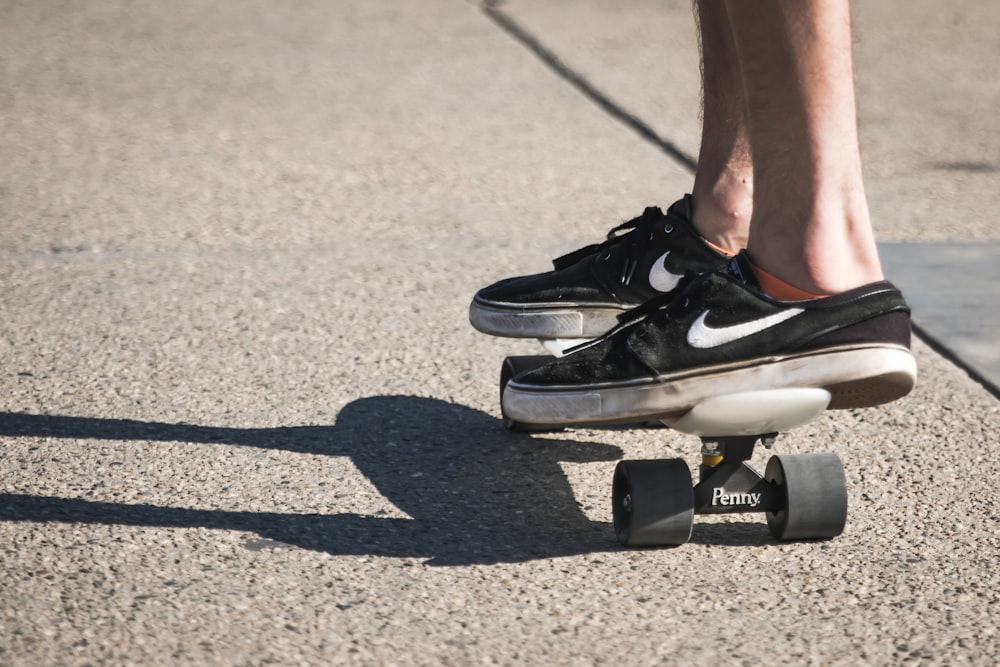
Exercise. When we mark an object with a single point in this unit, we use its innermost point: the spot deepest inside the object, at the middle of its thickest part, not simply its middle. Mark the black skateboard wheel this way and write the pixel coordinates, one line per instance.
(814, 490)
(653, 502)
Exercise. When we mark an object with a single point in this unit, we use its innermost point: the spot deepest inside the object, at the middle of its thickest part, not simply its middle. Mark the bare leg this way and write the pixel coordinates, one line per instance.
(810, 224)
(723, 183)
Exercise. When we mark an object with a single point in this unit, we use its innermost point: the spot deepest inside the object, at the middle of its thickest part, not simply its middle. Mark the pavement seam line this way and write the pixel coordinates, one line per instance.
(939, 346)
(565, 72)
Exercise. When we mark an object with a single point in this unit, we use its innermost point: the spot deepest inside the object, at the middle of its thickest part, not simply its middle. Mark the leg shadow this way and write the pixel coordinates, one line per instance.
(475, 493)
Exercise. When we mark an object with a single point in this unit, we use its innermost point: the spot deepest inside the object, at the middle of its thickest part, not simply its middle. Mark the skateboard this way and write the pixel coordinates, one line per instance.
(803, 496)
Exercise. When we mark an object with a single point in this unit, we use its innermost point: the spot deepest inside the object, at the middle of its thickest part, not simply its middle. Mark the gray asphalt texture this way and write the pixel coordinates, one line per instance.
(245, 421)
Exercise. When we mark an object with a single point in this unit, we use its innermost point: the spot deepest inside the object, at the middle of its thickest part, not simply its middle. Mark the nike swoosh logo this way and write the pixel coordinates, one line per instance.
(702, 336)
(660, 279)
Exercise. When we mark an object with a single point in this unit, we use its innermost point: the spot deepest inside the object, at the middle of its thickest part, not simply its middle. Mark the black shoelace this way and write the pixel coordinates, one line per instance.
(635, 232)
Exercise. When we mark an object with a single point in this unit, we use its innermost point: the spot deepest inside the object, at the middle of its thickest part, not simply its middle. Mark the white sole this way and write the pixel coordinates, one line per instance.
(582, 322)
(855, 377)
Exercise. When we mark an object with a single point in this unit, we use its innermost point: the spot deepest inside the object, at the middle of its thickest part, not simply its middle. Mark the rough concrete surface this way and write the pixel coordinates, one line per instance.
(244, 419)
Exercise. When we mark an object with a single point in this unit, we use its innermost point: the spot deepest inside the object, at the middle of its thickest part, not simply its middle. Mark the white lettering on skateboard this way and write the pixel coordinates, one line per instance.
(720, 497)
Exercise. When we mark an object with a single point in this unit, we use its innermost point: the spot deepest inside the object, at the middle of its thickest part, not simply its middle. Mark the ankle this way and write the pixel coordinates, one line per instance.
(721, 214)
(822, 244)
(830, 260)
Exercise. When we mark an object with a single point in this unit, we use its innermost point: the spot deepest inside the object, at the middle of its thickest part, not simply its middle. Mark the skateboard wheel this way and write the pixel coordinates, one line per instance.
(653, 502)
(513, 366)
(814, 490)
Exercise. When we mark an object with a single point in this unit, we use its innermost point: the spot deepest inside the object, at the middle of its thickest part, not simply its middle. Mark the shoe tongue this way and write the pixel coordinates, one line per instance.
(681, 208)
(741, 269)
(653, 212)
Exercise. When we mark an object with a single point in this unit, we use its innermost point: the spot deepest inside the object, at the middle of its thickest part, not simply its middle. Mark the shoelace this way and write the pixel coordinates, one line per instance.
(671, 303)
(636, 231)
(665, 305)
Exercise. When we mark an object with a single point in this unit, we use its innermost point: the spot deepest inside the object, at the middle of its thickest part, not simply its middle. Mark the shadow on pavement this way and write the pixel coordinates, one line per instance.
(476, 494)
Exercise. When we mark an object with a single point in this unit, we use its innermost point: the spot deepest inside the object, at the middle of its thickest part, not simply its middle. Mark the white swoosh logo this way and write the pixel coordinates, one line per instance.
(702, 336)
(660, 279)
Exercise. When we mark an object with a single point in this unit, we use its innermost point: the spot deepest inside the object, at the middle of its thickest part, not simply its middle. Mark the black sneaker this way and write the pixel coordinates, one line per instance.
(589, 288)
(723, 335)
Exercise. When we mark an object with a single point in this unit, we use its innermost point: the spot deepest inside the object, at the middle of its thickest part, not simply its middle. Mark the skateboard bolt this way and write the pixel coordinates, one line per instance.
(627, 502)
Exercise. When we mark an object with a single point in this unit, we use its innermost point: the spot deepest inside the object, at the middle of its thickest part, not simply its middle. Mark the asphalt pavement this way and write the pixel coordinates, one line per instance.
(244, 419)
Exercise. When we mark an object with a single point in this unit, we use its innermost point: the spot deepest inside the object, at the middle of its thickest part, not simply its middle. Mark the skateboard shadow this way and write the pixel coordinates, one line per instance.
(475, 493)
(732, 534)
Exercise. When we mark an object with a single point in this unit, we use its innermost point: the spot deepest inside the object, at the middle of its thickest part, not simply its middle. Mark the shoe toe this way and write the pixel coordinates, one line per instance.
(602, 363)
(569, 286)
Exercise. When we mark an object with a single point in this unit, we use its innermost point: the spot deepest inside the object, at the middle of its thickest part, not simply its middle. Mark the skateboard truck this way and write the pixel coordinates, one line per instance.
(727, 483)
(804, 496)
